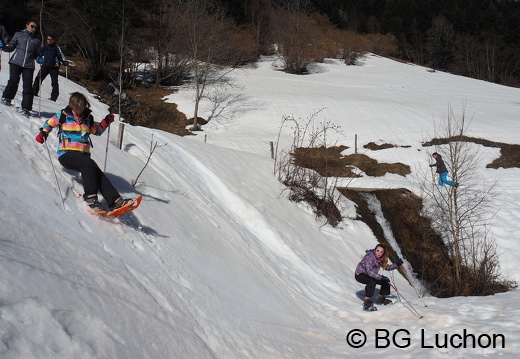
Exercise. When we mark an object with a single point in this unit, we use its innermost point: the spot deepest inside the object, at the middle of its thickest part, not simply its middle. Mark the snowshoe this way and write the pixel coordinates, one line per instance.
(128, 206)
(120, 202)
(94, 204)
(381, 300)
(369, 306)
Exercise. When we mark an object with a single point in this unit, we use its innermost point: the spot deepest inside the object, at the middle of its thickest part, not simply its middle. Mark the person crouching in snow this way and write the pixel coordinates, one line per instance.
(442, 171)
(77, 124)
(367, 272)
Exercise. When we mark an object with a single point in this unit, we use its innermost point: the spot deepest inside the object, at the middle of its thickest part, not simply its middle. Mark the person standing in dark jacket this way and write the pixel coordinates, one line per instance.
(442, 171)
(26, 48)
(51, 57)
(367, 272)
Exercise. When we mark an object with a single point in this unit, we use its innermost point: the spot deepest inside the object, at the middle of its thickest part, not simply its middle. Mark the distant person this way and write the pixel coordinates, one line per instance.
(4, 39)
(442, 171)
(77, 124)
(50, 59)
(367, 272)
(26, 48)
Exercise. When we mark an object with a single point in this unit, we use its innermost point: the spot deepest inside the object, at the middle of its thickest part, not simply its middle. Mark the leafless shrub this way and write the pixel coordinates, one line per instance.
(153, 146)
(304, 184)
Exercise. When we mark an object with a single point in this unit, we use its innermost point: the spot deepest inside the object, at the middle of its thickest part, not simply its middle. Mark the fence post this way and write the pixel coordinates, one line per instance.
(120, 135)
(355, 144)
(271, 144)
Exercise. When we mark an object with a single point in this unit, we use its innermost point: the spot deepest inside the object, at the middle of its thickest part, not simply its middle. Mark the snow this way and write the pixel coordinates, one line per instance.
(217, 262)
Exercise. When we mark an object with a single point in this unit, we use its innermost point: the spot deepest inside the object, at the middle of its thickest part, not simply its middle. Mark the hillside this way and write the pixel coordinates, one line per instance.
(217, 262)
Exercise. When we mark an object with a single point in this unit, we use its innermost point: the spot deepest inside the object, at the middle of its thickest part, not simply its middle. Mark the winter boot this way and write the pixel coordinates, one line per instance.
(93, 203)
(381, 300)
(368, 304)
(120, 202)
(6, 101)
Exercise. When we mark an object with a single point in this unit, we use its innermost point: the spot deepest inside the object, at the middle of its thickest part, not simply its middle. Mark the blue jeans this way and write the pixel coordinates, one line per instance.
(443, 179)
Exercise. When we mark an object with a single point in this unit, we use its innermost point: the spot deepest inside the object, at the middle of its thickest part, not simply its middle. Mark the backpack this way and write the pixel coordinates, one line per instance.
(63, 118)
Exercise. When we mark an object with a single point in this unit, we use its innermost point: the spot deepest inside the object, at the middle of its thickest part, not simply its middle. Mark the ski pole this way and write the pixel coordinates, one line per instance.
(414, 287)
(40, 92)
(108, 141)
(407, 304)
(410, 280)
(55, 176)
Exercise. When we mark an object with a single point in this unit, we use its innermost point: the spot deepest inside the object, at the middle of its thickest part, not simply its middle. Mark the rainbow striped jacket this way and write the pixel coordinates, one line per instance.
(75, 131)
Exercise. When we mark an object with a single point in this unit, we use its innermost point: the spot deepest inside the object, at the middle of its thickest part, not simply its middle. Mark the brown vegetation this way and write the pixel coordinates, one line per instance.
(327, 161)
(509, 153)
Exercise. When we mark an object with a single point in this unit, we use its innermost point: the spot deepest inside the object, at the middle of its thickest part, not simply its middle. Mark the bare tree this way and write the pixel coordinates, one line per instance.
(165, 39)
(215, 46)
(89, 33)
(462, 213)
(298, 36)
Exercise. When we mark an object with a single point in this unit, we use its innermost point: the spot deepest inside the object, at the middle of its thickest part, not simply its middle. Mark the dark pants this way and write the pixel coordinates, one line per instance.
(12, 85)
(371, 285)
(44, 71)
(94, 180)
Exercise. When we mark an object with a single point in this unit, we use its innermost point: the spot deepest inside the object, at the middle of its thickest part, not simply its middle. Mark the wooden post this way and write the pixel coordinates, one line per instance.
(271, 144)
(355, 145)
(120, 135)
(205, 137)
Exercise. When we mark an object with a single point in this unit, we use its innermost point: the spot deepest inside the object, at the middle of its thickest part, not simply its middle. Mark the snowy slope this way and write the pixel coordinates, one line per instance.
(216, 262)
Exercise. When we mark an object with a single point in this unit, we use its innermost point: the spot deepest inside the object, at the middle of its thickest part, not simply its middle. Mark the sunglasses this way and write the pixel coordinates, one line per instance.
(33, 26)
(49, 39)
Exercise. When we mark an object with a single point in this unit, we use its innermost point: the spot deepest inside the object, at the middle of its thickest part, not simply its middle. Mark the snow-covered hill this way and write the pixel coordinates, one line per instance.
(217, 262)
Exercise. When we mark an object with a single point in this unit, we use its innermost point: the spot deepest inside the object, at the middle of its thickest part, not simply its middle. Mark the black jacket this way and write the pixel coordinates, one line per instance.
(52, 55)
(439, 163)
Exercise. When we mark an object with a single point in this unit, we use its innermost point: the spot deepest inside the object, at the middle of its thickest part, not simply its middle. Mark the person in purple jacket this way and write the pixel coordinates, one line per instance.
(367, 272)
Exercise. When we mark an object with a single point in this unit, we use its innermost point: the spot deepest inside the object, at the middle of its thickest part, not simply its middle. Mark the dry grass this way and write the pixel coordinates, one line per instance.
(509, 154)
(329, 162)
(151, 111)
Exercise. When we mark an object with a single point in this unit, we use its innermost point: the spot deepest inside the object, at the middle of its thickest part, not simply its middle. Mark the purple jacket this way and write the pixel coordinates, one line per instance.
(370, 265)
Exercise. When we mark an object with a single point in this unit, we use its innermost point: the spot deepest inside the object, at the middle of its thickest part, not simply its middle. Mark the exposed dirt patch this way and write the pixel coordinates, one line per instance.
(375, 147)
(151, 111)
(329, 162)
(509, 154)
